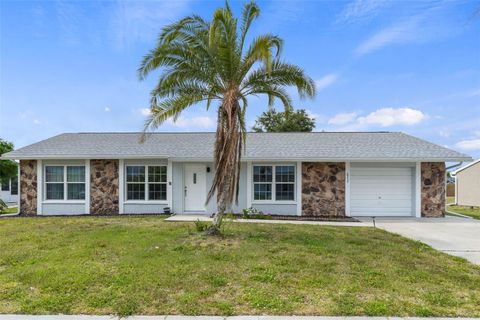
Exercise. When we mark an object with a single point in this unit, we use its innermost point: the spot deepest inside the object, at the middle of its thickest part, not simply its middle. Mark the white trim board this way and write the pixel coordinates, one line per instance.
(244, 159)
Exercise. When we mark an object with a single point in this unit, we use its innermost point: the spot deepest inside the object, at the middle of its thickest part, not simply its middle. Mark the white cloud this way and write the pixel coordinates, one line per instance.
(361, 9)
(422, 22)
(318, 117)
(473, 144)
(326, 81)
(185, 122)
(36, 121)
(107, 109)
(342, 119)
(145, 112)
(387, 117)
(200, 122)
(402, 32)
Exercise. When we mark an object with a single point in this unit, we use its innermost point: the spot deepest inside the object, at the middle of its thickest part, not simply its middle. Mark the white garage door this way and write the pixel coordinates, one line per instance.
(381, 191)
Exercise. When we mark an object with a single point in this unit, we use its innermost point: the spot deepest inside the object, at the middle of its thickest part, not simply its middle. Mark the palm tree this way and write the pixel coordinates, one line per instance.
(203, 62)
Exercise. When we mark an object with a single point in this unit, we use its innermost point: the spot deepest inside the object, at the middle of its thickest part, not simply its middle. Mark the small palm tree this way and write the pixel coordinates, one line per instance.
(203, 62)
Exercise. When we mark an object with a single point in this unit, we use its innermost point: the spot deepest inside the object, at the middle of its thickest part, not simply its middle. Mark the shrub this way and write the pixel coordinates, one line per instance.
(201, 225)
(3, 206)
(254, 213)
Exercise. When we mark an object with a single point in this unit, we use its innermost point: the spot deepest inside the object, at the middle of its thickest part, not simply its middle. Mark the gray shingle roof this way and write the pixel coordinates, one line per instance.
(389, 146)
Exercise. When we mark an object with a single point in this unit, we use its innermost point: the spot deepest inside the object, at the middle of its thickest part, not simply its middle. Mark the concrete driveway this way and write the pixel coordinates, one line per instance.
(452, 235)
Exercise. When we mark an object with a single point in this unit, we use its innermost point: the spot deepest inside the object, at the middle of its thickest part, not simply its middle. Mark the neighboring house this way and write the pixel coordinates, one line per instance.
(9, 191)
(467, 185)
(309, 174)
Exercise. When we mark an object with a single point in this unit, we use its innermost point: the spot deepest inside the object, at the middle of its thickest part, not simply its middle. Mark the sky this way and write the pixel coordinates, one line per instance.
(70, 66)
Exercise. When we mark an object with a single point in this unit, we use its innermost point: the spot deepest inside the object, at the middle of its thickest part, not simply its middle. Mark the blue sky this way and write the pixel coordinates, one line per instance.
(379, 65)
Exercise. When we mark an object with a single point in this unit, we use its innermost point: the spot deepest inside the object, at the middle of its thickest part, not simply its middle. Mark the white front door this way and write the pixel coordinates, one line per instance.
(195, 189)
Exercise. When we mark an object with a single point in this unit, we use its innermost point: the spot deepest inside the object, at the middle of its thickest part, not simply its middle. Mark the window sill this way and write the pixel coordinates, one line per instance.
(274, 202)
(146, 202)
(64, 201)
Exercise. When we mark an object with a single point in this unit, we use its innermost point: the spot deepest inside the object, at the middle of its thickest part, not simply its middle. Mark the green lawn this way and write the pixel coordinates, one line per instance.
(450, 200)
(9, 210)
(148, 266)
(473, 212)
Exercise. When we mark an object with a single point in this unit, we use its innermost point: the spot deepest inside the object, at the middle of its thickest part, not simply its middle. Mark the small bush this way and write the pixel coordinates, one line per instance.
(201, 226)
(3, 206)
(254, 213)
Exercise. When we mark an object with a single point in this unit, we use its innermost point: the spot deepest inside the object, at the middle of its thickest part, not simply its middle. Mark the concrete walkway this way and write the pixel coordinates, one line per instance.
(84, 317)
(453, 235)
(202, 217)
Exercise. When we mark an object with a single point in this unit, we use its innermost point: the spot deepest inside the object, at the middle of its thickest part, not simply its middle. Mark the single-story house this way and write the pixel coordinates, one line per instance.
(467, 185)
(304, 174)
(9, 190)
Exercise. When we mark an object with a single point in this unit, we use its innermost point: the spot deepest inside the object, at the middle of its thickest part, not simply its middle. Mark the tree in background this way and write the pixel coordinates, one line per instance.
(8, 168)
(292, 121)
(211, 61)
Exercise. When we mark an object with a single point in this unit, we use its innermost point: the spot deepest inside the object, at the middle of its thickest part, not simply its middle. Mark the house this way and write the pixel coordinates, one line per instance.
(9, 191)
(467, 185)
(309, 174)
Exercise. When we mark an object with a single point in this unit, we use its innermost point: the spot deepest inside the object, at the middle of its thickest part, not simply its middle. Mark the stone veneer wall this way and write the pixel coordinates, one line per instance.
(28, 187)
(433, 189)
(323, 189)
(104, 192)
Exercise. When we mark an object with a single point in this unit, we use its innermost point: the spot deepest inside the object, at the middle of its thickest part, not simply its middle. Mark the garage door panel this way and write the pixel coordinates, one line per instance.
(382, 203)
(381, 172)
(377, 209)
(386, 179)
(389, 197)
(400, 212)
(381, 191)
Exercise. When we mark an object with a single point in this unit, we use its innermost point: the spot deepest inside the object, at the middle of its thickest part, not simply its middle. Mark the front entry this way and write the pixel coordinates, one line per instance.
(195, 188)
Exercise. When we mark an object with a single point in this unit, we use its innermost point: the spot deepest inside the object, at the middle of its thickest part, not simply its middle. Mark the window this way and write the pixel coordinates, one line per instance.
(276, 187)
(262, 182)
(150, 186)
(54, 182)
(135, 183)
(14, 186)
(5, 186)
(285, 183)
(157, 183)
(75, 183)
(65, 182)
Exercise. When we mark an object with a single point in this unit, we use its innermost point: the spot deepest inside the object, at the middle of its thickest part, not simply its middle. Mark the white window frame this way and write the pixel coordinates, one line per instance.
(274, 184)
(146, 183)
(65, 184)
(11, 185)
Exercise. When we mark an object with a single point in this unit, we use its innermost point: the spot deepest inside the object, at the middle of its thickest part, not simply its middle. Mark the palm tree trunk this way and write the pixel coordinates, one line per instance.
(222, 204)
(228, 149)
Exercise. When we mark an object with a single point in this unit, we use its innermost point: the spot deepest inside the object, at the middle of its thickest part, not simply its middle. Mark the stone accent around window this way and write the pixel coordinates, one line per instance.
(104, 187)
(433, 189)
(323, 189)
(28, 187)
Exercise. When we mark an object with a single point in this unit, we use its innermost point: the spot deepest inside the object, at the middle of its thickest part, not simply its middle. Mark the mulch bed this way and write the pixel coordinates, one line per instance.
(238, 216)
(304, 218)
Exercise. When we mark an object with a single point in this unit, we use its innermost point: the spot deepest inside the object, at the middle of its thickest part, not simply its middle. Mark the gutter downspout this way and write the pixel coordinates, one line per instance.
(454, 166)
(446, 170)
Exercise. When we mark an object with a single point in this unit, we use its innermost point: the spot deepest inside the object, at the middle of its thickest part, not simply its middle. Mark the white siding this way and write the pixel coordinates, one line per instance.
(131, 208)
(64, 209)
